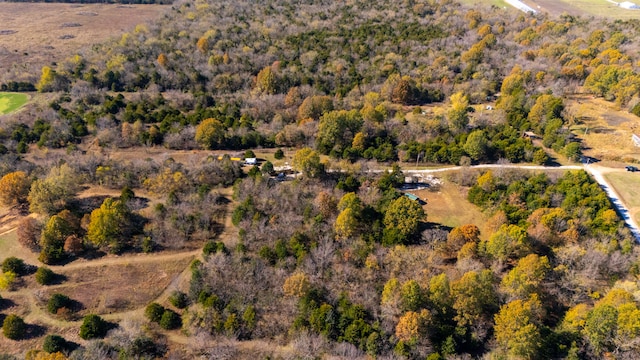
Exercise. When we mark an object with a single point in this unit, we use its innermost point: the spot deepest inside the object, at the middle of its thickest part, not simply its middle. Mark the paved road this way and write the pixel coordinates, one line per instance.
(595, 171)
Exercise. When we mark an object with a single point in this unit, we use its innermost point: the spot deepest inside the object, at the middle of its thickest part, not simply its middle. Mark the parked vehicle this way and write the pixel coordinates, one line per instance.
(631, 168)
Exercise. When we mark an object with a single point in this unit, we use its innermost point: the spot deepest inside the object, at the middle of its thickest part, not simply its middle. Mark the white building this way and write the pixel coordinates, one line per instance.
(628, 5)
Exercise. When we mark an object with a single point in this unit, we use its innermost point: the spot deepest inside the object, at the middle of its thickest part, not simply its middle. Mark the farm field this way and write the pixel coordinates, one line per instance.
(61, 31)
(10, 102)
(627, 185)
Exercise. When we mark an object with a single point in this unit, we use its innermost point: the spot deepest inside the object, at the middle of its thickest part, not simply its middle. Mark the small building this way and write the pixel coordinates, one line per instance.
(251, 161)
(530, 135)
(412, 197)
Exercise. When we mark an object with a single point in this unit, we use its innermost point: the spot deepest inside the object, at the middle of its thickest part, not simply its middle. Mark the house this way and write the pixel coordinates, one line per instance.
(530, 135)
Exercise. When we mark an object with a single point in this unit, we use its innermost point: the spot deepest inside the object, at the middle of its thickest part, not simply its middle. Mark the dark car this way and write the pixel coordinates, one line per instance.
(631, 168)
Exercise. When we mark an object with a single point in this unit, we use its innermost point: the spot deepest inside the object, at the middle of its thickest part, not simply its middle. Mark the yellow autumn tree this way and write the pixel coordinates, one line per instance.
(14, 188)
(296, 285)
(412, 325)
(46, 79)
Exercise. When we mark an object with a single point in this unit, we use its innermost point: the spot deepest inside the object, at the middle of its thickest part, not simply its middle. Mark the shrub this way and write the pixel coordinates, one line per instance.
(154, 312)
(54, 343)
(249, 154)
(179, 299)
(58, 301)
(14, 327)
(212, 247)
(15, 265)
(93, 326)
(44, 276)
(170, 320)
(279, 154)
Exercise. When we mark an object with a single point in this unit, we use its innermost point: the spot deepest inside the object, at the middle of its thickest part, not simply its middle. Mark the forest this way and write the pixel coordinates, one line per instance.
(335, 262)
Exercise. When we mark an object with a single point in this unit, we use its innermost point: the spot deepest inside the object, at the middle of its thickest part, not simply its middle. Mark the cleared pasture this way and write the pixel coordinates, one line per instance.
(10, 102)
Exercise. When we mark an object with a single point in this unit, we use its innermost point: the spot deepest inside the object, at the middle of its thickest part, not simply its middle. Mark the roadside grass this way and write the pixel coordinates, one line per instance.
(448, 205)
(627, 185)
(10, 102)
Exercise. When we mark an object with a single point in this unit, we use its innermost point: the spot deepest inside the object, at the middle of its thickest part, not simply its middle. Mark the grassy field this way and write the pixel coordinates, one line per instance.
(37, 34)
(627, 185)
(448, 206)
(10, 102)
(605, 130)
(598, 8)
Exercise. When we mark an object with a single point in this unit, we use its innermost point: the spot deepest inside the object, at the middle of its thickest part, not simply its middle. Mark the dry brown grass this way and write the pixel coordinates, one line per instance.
(449, 206)
(37, 35)
(604, 128)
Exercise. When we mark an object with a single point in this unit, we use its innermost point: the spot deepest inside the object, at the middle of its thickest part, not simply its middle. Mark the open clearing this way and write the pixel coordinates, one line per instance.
(10, 102)
(448, 205)
(604, 129)
(627, 185)
(61, 30)
(585, 8)
(600, 8)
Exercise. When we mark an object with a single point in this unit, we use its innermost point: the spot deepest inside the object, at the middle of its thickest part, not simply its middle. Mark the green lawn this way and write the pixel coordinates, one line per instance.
(10, 102)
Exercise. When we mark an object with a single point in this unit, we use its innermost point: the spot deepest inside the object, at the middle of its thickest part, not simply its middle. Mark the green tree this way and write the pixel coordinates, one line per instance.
(510, 241)
(54, 343)
(52, 240)
(15, 265)
(93, 326)
(404, 216)
(210, 134)
(50, 195)
(14, 327)
(600, 328)
(477, 145)
(336, 130)
(45, 276)
(517, 330)
(307, 161)
(109, 224)
(440, 294)
(57, 302)
(154, 312)
(411, 296)
(170, 320)
(14, 188)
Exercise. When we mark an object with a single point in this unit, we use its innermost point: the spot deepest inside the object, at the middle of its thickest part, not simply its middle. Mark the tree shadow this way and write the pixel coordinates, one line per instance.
(88, 204)
(34, 331)
(5, 304)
